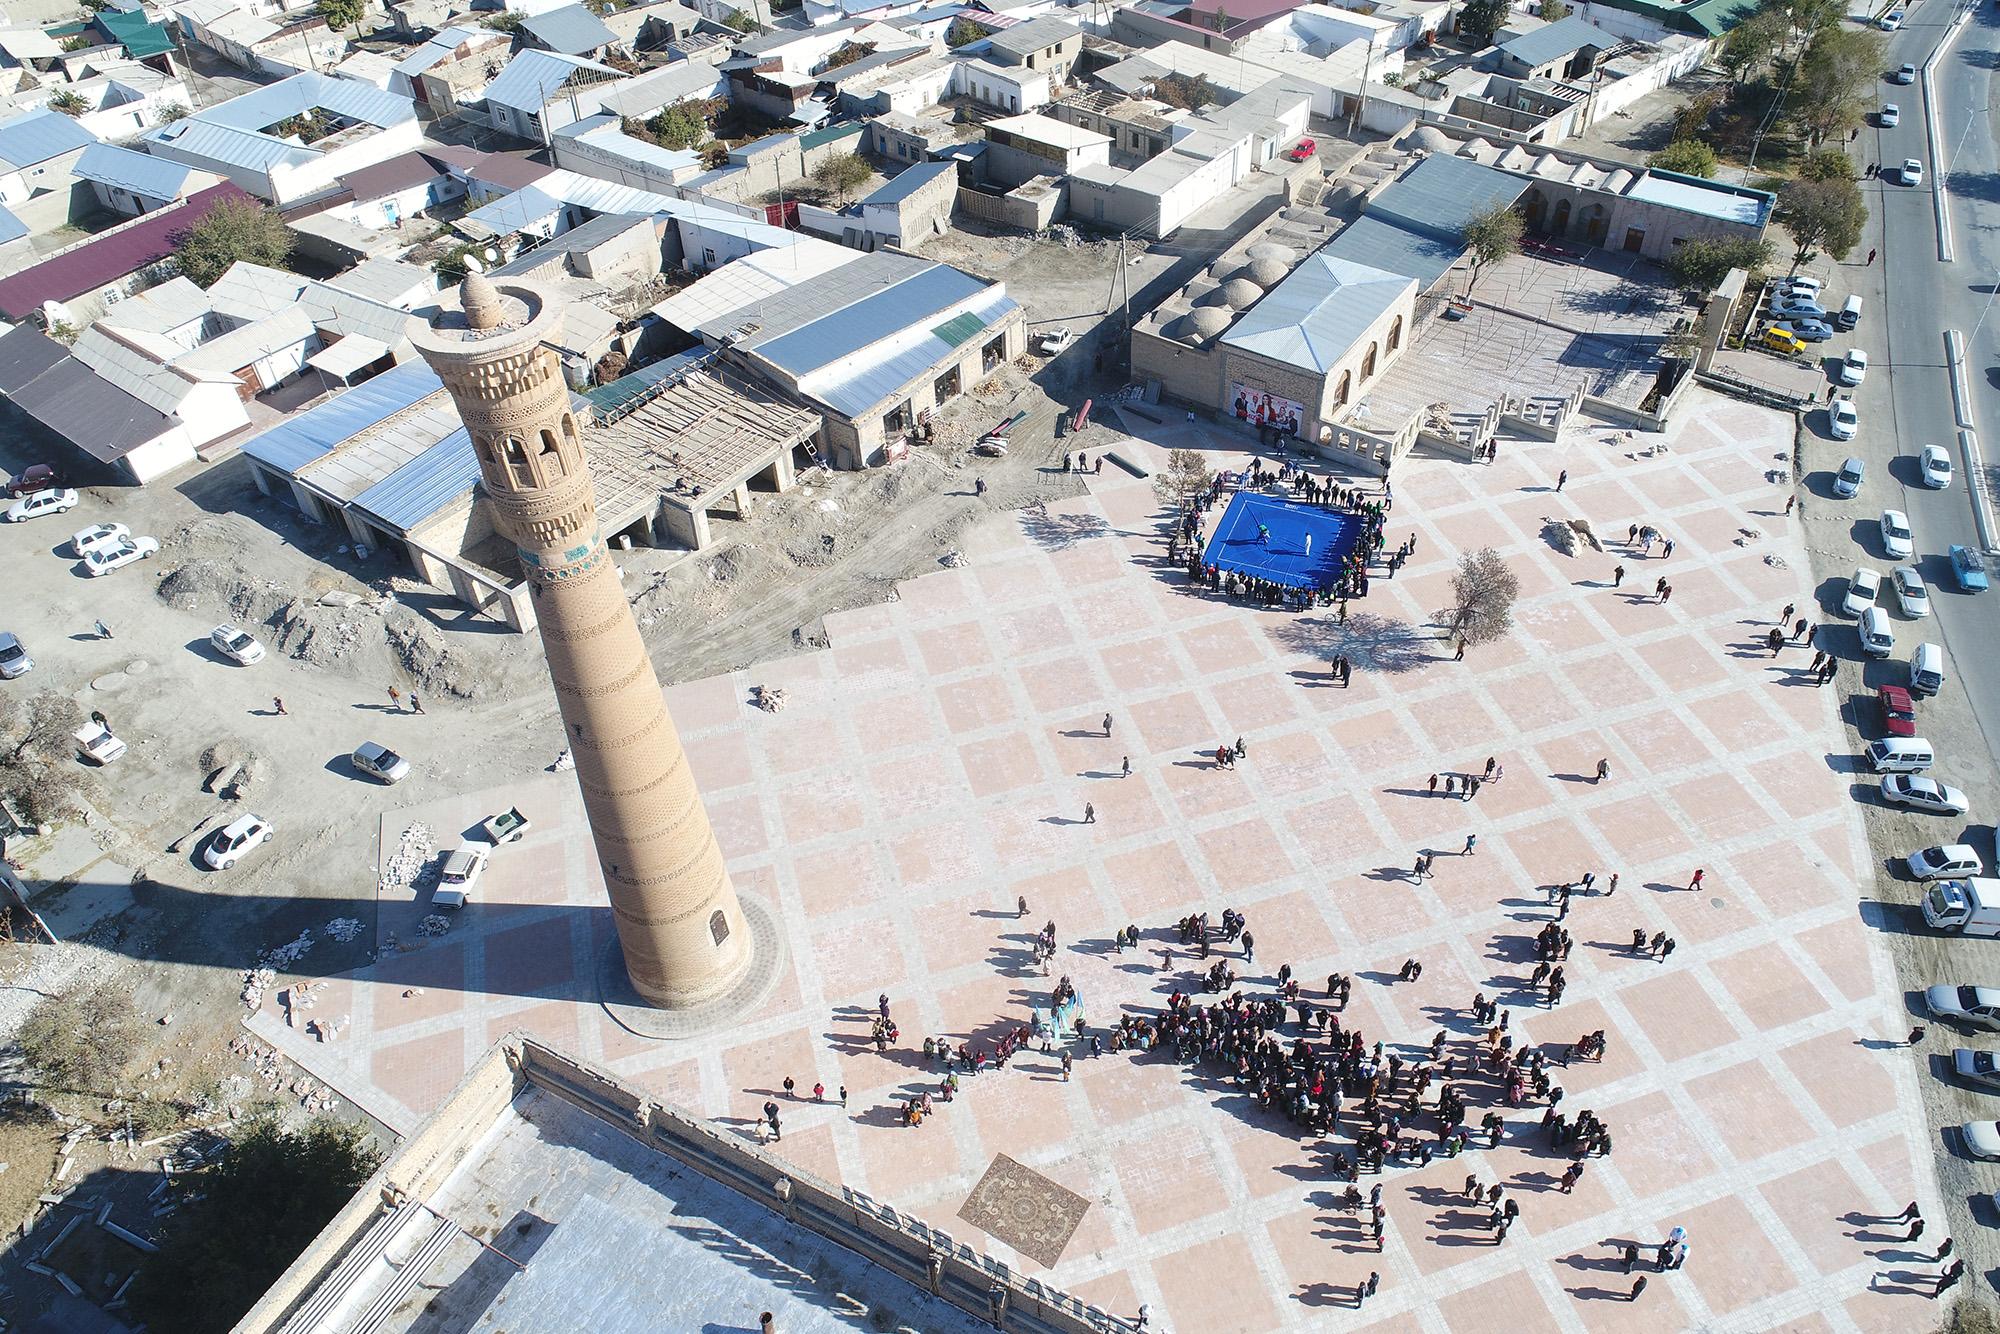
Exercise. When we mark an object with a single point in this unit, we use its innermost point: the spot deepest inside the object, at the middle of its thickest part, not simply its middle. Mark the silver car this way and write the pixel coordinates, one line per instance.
(1921, 793)
(14, 659)
(239, 646)
(380, 763)
(1943, 863)
(1975, 1007)
(1977, 1067)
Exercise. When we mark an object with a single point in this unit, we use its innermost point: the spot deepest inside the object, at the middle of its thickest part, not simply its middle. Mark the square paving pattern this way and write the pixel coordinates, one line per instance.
(932, 767)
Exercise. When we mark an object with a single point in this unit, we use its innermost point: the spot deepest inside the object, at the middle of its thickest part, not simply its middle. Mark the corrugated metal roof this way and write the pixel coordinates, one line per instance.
(854, 325)
(347, 356)
(298, 441)
(232, 351)
(571, 30)
(1384, 245)
(602, 132)
(436, 49)
(425, 485)
(228, 145)
(11, 227)
(1558, 39)
(1316, 314)
(388, 281)
(1710, 199)
(910, 180)
(621, 393)
(26, 352)
(513, 213)
(302, 92)
(41, 134)
(959, 329)
(1441, 194)
(109, 257)
(139, 37)
(887, 370)
(174, 304)
(665, 86)
(533, 78)
(1024, 39)
(134, 172)
(91, 413)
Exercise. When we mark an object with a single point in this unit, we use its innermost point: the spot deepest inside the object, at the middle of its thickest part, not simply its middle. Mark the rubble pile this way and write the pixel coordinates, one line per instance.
(421, 650)
(344, 929)
(410, 862)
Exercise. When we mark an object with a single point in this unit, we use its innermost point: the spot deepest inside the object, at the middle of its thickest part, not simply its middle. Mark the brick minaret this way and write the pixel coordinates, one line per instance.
(678, 919)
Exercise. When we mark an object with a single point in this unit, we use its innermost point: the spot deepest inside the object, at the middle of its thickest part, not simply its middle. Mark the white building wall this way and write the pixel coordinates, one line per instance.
(211, 411)
(160, 455)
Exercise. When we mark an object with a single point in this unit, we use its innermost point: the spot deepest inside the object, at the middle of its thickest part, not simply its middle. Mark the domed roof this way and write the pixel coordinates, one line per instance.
(1240, 293)
(1200, 326)
(1270, 250)
(1266, 273)
(481, 302)
(1474, 146)
(1429, 138)
(1221, 270)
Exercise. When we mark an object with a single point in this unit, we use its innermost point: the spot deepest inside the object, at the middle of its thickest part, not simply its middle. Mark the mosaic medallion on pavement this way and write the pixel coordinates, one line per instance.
(1025, 1209)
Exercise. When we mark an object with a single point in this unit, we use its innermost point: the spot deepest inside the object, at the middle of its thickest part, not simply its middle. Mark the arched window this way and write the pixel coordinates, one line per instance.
(569, 431)
(718, 926)
(1343, 388)
(548, 441)
(517, 461)
(1396, 333)
(1368, 363)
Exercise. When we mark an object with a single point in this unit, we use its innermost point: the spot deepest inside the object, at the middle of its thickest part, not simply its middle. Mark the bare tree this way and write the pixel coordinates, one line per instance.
(38, 769)
(1482, 593)
(79, 1040)
(1187, 474)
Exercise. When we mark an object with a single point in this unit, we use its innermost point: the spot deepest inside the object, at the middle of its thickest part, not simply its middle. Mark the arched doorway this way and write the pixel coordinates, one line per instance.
(1596, 222)
(1537, 207)
(1559, 225)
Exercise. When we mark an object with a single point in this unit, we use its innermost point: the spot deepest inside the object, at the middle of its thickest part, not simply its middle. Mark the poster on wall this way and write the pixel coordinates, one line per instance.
(1259, 407)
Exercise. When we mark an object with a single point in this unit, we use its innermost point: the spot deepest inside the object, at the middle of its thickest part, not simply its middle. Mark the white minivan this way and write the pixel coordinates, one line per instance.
(1900, 755)
(1878, 638)
(1927, 670)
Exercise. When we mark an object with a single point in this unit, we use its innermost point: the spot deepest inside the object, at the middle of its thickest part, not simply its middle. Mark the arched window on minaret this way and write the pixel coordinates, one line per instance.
(569, 431)
(551, 456)
(517, 462)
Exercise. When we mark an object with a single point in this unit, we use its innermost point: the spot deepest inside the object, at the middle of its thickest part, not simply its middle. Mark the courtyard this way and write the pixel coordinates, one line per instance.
(933, 765)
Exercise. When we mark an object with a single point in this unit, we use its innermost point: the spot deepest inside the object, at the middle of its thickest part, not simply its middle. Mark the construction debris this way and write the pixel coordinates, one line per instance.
(768, 698)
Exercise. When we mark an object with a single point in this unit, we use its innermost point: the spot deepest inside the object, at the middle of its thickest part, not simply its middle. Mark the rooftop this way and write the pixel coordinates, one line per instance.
(1048, 130)
(134, 172)
(1559, 39)
(910, 180)
(39, 135)
(109, 257)
(533, 78)
(72, 400)
(1441, 194)
(1037, 34)
(1711, 199)
(1316, 314)
(571, 30)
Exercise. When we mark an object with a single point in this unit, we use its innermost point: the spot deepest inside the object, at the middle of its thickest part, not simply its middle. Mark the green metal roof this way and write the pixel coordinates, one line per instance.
(960, 329)
(831, 134)
(1704, 18)
(139, 38)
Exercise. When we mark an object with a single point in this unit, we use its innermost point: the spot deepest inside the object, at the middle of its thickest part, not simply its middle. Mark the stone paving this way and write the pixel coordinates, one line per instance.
(934, 763)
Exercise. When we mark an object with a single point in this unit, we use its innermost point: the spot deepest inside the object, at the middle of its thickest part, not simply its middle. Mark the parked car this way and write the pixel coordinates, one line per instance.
(1920, 793)
(1052, 341)
(1890, 116)
(1977, 1067)
(1862, 586)
(35, 477)
(1904, 73)
(234, 839)
(1899, 711)
(463, 866)
(1910, 173)
(1798, 283)
(40, 503)
(1805, 330)
(1797, 305)
(116, 556)
(1935, 465)
(1890, 21)
(507, 826)
(1968, 568)
(1982, 1139)
(1853, 367)
(14, 659)
(380, 763)
(1843, 419)
(1897, 542)
(1945, 862)
(1780, 338)
(1847, 482)
(1912, 594)
(86, 540)
(1978, 1007)
(239, 646)
(1302, 150)
(97, 743)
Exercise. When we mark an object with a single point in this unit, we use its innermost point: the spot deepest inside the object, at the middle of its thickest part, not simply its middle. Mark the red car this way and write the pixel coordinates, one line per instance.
(1899, 712)
(37, 477)
(1305, 149)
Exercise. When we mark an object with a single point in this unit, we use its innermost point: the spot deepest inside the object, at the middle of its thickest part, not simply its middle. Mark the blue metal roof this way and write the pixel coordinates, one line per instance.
(862, 387)
(1711, 199)
(1441, 194)
(11, 227)
(571, 30)
(1396, 249)
(512, 213)
(292, 444)
(426, 484)
(909, 181)
(1318, 312)
(1558, 39)
(41, 134)
(136, 173)
(845, 331)
(534, 77)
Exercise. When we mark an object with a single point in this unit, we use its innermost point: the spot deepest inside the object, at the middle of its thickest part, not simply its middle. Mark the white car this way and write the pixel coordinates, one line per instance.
(1977, 1067)
(1943, 863)
(1904, 73)
(234, 839)
(1847, 482)
(14, 659)
(1923, 794)
(1891, 116)
(97, 535)
(1853, 368)
(239, 646)
(1911, 593)
(1862, 586)
(463, 866)
(97, 743)
(1890, 21)
(1982, 1139)
(1843, 419)
(1054, 340)
(380, 763)
(42, 502)
(1935, 465)
(1911, 173)
(1976, 1006)
(1896, 538)
(126, 551)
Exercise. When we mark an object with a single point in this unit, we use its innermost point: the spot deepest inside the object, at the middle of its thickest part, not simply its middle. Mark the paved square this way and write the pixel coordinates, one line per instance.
(932, 768)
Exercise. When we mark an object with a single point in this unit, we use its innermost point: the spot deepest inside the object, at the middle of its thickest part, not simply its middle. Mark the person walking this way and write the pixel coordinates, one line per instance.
(278, 706)
(103, 630)
(1638, 1286)
(1471, 845)
(1617, 575)
(1089, 813)
(395, 699)
(1107, 724)
(1603, 769)
(1562, 478)
(1949, 1278)
(1696, 882)
(416, 704)
(1128, 767)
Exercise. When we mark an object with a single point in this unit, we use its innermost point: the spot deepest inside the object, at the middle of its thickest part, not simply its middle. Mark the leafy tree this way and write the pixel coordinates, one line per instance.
(1480, 17)
(1691, 122)
(1187, 473)
(172, 112)
(838, 175)
(1827, 164)
(38, 770)
(235, 229)
(79, 1040)
(1823, 215)
(963, 32)
(76, 43)
(1700, 263)
(1835, 81)
(846, 54)
(505, 21)
(1551, 11)
(68, 102)
(1812, 17)
(1482, 598)
(1689, 157)
(451, 266)
(1190, 93)
(1492, 235)
(679, 126)
(743, 22)
(1751, 43)
(258, 1207)
(342, 13)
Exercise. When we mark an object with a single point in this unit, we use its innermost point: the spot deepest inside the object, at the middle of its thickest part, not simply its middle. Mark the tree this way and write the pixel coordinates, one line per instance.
(743, 22)
(1835, 80)
(249, 1216)
(1827, 164)
(846, 54)
(505, 21)
(172, 112)
(38, 771)
(1482, 598)
(1810, 18)
(342, 13)
(68, 102)
(235, 229)
(838, 175)
(1751, 43)
(1493, 235)
(1187, 473)
(963, 32)
(1552, 11)
(1700, 263)
(1188, 92)
(76, 43)
(79, 1040)
(1691, 122)
(1479, 18)
(1822, 216)
(1689, 157)
(679, 126)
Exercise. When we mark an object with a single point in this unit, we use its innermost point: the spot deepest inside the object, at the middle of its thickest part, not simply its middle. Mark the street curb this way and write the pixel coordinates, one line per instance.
(1946, 246)
(1971, 461)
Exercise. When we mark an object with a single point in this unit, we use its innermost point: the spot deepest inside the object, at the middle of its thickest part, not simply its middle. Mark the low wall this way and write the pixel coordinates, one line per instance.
(1029, 213)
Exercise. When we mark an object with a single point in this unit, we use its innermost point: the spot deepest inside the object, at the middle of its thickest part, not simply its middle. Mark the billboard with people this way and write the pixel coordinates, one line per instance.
(1260, 407)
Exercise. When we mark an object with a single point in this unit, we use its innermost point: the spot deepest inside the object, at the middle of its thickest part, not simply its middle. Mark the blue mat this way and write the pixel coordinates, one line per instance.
(1235, 546)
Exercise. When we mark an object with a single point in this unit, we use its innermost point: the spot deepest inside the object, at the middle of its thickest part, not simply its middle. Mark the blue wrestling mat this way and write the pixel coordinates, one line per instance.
(1235, 547)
